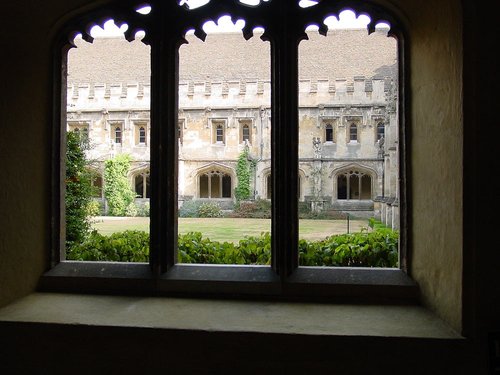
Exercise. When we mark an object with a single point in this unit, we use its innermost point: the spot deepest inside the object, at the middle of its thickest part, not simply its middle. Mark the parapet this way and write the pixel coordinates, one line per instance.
(200, 94)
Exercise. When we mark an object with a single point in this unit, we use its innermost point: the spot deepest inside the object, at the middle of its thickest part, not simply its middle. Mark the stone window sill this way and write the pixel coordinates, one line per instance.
(271, 317)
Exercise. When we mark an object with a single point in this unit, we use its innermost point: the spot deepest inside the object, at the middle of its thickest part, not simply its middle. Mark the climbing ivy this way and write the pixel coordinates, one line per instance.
(79, 190)
(244, 169)
(117, 190)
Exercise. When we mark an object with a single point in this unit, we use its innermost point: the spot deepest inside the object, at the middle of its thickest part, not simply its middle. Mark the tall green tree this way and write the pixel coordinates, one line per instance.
(79, 189)
(117, 190)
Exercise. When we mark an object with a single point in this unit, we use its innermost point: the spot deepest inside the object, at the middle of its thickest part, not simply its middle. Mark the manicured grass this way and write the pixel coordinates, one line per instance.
(230, 229)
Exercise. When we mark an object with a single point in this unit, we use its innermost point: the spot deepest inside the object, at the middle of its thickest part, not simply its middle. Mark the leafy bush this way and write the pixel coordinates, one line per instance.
(258, 209)
(94, 208)
(189, 208)
(143, 210)
(365, 249)
(79, 190)
(209, 209)
(127, 246)
(131, 210)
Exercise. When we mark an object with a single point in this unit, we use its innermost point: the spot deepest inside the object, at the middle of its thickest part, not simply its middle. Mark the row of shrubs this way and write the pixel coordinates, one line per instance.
(256, 209)
(96, 208)
(378, 248)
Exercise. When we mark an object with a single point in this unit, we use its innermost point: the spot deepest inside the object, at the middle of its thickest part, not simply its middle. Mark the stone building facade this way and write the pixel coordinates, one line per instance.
(348, 116)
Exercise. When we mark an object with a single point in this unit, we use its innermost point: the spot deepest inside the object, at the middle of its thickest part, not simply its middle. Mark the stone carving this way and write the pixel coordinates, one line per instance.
(317, 147)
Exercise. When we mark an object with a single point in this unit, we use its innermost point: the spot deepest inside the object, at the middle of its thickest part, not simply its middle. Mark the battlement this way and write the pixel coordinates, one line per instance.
(194, 94)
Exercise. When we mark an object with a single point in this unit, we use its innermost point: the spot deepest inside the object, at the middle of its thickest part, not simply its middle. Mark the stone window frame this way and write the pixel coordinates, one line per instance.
(348, 173)
(219, 125)
(77, 126)
(211, 171)
(146, 181)
(353, 125)
(113, 126)
(137, 136)
(380, 124)
(242, 122)
(172, 277)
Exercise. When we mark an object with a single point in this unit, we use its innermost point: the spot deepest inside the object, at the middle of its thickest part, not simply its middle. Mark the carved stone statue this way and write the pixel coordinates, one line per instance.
(381, 150)
(317, 147)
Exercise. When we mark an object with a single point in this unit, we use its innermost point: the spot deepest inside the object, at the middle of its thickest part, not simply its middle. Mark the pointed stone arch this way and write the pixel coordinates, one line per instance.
(215, 181)
(353, 182)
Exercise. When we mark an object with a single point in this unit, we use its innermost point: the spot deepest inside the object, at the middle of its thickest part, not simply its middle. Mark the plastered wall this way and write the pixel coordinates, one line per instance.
(436, 139)
(436, 152)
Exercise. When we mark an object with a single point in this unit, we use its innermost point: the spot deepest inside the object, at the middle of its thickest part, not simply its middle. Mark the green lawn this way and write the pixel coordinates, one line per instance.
(230, 229)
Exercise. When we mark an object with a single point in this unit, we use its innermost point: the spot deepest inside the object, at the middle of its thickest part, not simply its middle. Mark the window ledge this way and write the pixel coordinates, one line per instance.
(342, 284)
(228, 316)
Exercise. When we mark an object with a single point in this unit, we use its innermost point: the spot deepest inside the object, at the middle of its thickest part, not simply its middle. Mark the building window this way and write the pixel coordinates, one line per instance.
(218, 131)
(380, 131)
(353, 133)
(245, 132)
(283, 153)
(117, 134)
(141, 133)
(142, 185)
(80, 128)
(215, 184)
(328, 133)
(354, 185)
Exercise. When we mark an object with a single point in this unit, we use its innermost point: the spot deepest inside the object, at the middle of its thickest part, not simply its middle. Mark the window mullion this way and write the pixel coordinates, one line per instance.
(164, 148)
(284, 135)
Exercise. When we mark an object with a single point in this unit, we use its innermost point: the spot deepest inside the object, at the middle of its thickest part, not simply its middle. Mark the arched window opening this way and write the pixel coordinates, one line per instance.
(142, 185)
(380, 131)
(142, 135)
(328, 133)
(219, 134)
(342, 187)
(245, 133)
(353, 133)
(215, 184)
(118, 134)
(366, 187)
(354, 185)
(226, 98)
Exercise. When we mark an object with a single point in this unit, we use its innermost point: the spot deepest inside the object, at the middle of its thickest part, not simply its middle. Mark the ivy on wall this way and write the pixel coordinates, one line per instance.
(117, 190)
(78, 189)
(244, 169)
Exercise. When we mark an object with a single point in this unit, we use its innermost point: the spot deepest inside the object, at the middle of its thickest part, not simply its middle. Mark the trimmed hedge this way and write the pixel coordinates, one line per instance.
(366, 249)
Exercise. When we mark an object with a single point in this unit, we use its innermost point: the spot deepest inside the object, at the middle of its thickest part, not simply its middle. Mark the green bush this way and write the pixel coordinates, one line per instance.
(79, 190)
(258, 209)
(365, 249)
(94, 208)
(189, 208)
(131, 210)
(143, 210)
(127, 246)
(209, 209)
